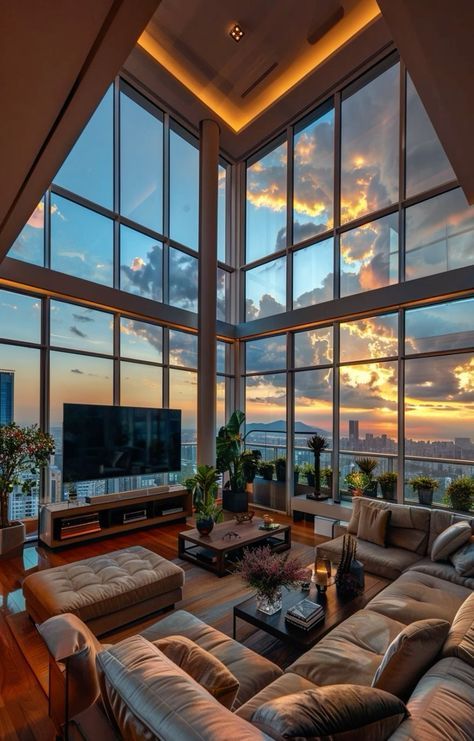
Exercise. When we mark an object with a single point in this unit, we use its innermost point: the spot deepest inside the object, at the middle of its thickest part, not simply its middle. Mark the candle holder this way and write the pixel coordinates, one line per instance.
(322, 573)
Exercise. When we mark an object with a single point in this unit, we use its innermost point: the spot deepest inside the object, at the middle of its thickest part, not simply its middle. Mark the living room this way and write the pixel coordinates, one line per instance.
(268, 468)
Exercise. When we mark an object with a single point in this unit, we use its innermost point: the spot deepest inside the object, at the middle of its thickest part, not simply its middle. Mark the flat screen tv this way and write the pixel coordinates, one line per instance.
(112, 441)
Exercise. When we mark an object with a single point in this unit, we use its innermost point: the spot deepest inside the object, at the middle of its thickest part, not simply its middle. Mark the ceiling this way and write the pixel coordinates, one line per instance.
(283, 42)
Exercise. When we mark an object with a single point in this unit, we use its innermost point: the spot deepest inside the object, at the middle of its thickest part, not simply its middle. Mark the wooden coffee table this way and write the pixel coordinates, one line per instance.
(336, 611)
(219, 550)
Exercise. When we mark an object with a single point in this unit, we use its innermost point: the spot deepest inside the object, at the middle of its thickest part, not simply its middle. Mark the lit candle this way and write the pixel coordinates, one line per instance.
(321, 576)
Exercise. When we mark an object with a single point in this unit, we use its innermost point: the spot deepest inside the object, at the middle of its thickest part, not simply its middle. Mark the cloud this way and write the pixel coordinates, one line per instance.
(267, 306)
(83, 318)
(183, 281)
(183, 349)
(316, 295)
(370, 338)
(150, 333)
(144, 276)
(77, 332)
(76, 370)
(314, 347)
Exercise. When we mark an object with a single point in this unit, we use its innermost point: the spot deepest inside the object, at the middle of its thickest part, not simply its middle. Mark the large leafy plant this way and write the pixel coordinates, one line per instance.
(203, 487)
(23, 452)
(232, 458)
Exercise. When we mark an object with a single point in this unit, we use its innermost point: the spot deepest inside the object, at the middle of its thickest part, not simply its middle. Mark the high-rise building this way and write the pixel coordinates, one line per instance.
(354, 430)
(7, 380)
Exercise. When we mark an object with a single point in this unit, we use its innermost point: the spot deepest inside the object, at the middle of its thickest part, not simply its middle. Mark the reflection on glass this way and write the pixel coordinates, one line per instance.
(368, 408)
(313, 347)
(369, 142)
(183, 349)
(265, 289)
(221, 213)
(140, 385)
(184, 191)
(20, 317)
(223, 288)
(313, 403)
(141, 164)
(183, 395)
(439, 406)
(439, 235)
(445, 326)
(266, 204)
(313, 273)
(266, 354)
(78, 379)
(141, 264)
(81, 328)
(369, 256)
(183, 280)
(88, 169)
(220, 402)
(29, 245)
(426, 163)
(265, 403)
(367, 339)
(141, 340)
(81, 242)
(313, 187)
(20, 385)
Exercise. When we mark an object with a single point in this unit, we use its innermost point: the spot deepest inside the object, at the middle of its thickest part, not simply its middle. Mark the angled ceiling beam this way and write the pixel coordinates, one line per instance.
(56, 61)
(435, 41)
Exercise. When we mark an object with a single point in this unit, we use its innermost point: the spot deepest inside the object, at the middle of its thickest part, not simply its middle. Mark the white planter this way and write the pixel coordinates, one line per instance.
(12, 538)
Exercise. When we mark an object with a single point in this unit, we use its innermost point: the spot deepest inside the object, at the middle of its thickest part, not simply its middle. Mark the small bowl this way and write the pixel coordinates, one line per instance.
(241, 517)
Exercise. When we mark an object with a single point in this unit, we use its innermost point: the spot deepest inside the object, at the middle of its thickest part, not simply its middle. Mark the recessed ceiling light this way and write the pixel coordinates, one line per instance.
(236, 32)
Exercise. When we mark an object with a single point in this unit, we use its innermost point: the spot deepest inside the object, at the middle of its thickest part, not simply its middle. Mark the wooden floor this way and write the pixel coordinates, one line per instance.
(23, 705)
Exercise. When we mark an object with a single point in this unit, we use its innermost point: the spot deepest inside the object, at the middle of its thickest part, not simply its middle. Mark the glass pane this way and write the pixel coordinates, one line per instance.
(141, 164)
(81, 328)
(20, 317)
(19, 385)
(81, 242)
(183, 349)
(266, 354)
(141, 340)
(369, 142)
(88, 169)
(369, 256)
(220, 402)
(313, 347)
(223, 357)
(141, 264)
(313, 187)
(184, 191)
(266, 204)
(29, 245)
(440, 327)
(78, 379)
(183, 395)
(313, 405)
(443, 471)
(265, 289)
(183, 280)
(223, 288)
(439, 235)
(313, 274)
(439, 407)
(221, 214)
(140, 385)
(367, 339)
(426, 163)
(265, 409)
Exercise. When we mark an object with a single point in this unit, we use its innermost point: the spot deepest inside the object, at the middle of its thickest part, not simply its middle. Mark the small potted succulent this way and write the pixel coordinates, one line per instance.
(424, 486)
(367, 466)
(308, 471)
(296, 473)
(280, 469)
(203, 487)
(357, 481)
(460, 494)
(265, 470)
(326, 476)
(388, 485)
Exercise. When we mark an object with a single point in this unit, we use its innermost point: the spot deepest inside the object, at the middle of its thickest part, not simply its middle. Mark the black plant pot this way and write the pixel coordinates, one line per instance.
(425, 496)
(311, 479)
(388, 492)
(280, 475)
(371, 490)
(235, 501)
(204, 525)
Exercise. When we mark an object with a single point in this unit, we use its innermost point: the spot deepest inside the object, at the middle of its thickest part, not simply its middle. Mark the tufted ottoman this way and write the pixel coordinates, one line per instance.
(105, 591)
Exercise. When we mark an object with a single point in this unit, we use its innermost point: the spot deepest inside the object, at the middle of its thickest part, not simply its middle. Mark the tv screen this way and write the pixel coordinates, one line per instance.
(111, 441)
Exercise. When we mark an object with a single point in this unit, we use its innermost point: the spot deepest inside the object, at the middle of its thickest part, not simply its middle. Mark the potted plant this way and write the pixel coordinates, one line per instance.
(357, 481)
(317, 443)
(280, 469)
(460, 494)
(308, 471)
(296, 473)
(24, 451)
(326, 476)
(368, 466)
(388, 485)
(203, 487)
(265, 470)
(424, 486)
(236, 462)
(267, 572)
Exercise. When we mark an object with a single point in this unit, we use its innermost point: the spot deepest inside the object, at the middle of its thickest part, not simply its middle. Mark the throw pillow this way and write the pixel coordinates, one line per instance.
(463, 559)
(450, 540)
(373, 525)
(202, 666)
(339, 711)
(409, 655)
(460, 640)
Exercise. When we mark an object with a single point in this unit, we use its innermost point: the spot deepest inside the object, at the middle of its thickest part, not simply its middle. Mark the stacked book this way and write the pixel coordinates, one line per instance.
(305, 614)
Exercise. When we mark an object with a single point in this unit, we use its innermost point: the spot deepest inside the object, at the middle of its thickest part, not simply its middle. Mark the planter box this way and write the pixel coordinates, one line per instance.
(235, 501)
(12, 538)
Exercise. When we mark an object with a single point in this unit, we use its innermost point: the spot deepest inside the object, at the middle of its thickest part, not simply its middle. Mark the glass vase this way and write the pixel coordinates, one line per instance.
(269, 603)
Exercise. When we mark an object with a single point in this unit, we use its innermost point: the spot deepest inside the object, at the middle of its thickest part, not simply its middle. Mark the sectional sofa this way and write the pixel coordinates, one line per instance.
(136, 691)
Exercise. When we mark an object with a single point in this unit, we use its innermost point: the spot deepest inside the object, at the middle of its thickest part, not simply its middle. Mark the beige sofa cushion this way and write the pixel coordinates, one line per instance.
(460, 640)
(409, 656)
(442, 519)
(149, 697)
(408, 527)
(463, 559)
(450, 540)
(236, 657)
(287, 684)
(349, 712)
(206, 669)
(442, 705)
(387, 562)
(442, 570)
(373, 525)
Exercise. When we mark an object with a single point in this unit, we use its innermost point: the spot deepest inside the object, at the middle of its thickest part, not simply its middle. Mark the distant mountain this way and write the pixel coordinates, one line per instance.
(280, 426)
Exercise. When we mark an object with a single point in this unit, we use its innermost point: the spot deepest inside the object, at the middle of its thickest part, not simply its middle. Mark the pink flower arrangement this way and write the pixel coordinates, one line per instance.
(267, 571)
